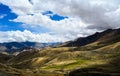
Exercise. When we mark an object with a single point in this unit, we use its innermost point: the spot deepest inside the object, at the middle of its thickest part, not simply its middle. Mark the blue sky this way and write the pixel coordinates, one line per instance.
(56, 20)
(7, 25)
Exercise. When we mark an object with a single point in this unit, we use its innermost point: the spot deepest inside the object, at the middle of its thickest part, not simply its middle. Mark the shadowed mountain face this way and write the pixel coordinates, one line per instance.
(5, 57)
(95, 55)
(110, 34)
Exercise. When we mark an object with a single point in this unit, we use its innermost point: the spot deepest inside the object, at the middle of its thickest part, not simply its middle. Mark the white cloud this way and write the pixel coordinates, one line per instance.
(85, 16)
(26, 35)
(20, 7)
(70, 28)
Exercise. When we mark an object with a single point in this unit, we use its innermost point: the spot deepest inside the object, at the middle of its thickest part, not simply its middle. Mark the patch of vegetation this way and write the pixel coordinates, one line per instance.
(68, 66)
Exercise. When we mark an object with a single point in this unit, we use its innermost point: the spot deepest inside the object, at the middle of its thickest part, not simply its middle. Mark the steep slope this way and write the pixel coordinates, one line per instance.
(107, 36)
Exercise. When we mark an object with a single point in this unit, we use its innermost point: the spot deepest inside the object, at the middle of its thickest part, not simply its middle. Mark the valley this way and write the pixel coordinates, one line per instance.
(95, 55)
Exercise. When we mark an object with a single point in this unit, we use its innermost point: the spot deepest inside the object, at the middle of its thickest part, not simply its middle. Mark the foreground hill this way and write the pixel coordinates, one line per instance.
(99, 56)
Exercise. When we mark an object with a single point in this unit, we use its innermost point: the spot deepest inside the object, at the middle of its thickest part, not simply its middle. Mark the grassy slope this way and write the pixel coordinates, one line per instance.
(57, 61)
(110, 55)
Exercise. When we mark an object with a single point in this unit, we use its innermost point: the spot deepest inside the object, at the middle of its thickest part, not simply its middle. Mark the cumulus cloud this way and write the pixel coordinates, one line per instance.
(19, 36)
(85, 16)
(68, 27)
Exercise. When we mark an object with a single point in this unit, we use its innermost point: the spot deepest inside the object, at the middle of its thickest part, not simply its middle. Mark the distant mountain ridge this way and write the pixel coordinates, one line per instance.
(110, 34)
(19, 46)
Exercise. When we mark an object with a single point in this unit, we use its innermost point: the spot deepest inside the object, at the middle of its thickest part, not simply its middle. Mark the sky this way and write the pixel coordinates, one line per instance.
(56, 20)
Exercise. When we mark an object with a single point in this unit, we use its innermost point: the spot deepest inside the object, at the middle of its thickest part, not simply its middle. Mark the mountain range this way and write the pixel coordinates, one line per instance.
(12, 47)
(94, 55)
(105, 36)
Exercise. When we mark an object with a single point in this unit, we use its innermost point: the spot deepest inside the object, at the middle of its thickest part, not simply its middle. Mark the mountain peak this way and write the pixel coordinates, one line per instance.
(98, 36)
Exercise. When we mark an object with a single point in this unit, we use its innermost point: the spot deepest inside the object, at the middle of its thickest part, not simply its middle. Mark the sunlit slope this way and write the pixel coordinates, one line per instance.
(66, 59)
(110, 56)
